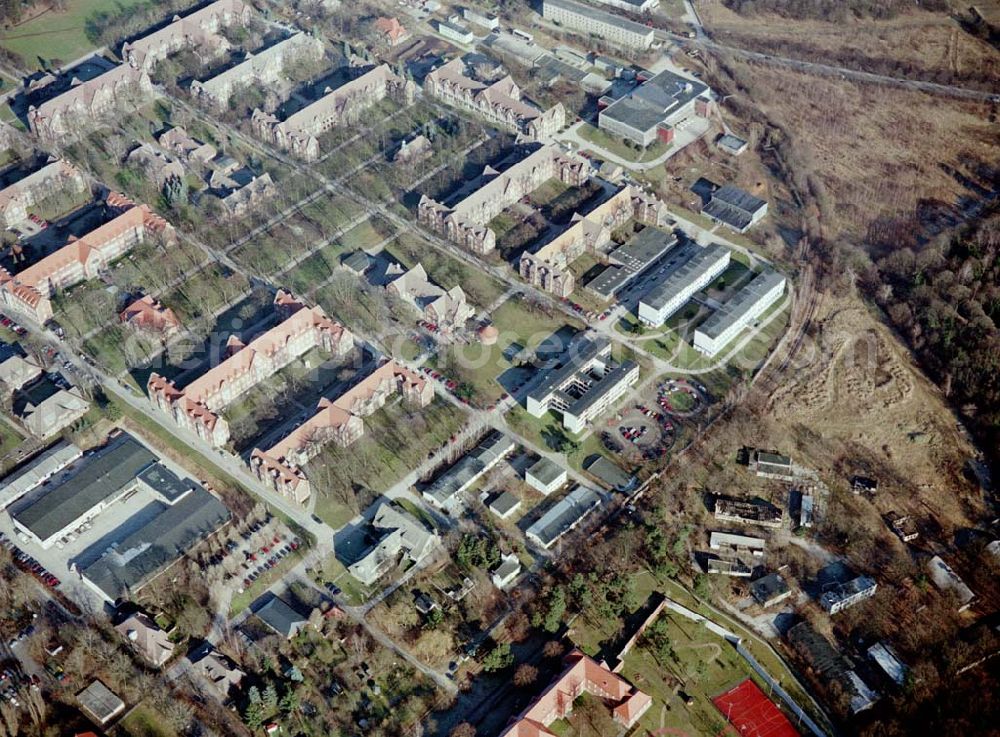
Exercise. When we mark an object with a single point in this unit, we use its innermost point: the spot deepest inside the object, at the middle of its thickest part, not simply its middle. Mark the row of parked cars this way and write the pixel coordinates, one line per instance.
(28, 563)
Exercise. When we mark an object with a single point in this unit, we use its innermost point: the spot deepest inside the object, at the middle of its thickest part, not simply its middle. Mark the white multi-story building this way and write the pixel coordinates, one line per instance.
(596, 22)
(749, 303)
(586, 383)
(848, 594)
(695, 274)
(634, 6)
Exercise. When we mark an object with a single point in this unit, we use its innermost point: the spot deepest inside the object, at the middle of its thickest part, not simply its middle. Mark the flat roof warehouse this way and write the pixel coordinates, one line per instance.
(653, 101)
(107, 474)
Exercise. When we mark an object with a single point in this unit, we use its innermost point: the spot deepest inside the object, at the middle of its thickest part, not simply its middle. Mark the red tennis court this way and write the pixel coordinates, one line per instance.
(752, 713)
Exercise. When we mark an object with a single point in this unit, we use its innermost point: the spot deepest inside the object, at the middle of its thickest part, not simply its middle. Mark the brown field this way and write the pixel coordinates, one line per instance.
(878, 151)
(916, 45)
(854, 402)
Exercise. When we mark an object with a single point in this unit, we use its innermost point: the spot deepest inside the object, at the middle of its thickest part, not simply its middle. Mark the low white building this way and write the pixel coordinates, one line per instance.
(545, 476)
(454, 30)
(739, 312)
(486, 20)
(657, 306)
(724, 540)
(507, 572)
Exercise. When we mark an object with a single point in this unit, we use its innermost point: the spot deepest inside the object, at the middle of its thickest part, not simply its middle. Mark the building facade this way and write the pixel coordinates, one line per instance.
(262, 69)
(197, 407)
(695, 274)
(299, 133)
(17, 200)
(466, 222)
(338, 421)
(591, 21)
(28, 291)
(499, 103)
(548, 267)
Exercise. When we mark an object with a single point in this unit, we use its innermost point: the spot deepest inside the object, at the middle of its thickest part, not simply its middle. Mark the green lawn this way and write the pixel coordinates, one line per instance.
(702, 664)
(616, 146)
(480, 366)
(58, 36)
(397, 438)
(142, 721)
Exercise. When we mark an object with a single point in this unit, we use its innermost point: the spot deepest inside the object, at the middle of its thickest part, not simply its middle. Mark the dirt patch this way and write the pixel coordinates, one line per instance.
(854, 399)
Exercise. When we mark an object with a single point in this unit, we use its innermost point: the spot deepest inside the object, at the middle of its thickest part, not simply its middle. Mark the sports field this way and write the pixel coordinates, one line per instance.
(752, 713)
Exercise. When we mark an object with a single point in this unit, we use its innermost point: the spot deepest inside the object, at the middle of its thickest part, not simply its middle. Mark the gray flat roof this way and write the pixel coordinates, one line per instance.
(745, 300)
(654, 100)
(458, 476)
(610, 474)
(601, 387)
(37, 469)
(599, 15)
(631, 259)
(163, 539)
(579, 353)
(107, 472)
(700, 262)
(566, 513)
(767, 588)
(739, 198)
(281, 616)
(505, 502)
(166, 483)
(546, 471)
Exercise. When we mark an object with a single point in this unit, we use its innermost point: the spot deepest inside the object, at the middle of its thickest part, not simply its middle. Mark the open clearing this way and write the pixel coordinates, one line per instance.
(62, 35)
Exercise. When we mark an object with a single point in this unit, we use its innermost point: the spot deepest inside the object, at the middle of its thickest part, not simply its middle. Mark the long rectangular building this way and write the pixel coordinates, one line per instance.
(591, 21)
(263, 69)
(107, 474)
(37, 471)
(444, 491)
(695, 274)
(338, 421)
(299, 133)
(29, 291)
(750, 302)
(565, 515)
(631, 260)
(466, 222)
(500, 102)
(198, 406)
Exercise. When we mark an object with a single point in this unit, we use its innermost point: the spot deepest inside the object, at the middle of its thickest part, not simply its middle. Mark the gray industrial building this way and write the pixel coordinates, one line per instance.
(106, 475)
(684, 282)
(184, 520)
(444, 491)
(749, 303)
(567, 513)
(631, 260)
(735, 208)
(593, 21)
(653, 109)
